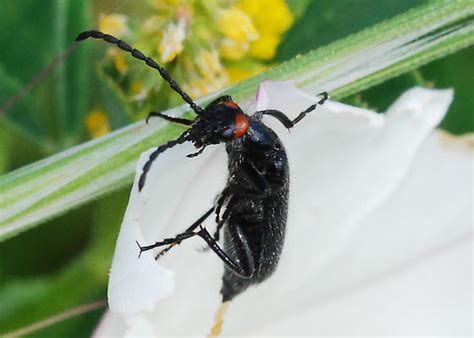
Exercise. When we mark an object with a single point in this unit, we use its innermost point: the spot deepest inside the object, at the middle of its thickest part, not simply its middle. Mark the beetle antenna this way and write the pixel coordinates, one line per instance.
(184, 137)
(142, 57)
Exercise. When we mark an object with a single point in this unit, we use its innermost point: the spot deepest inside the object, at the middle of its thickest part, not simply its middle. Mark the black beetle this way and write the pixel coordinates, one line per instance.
(255, 199)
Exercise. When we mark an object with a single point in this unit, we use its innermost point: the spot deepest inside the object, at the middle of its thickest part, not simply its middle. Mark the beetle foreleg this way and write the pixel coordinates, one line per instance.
(285, 120)
(324, 96)
(197, 153)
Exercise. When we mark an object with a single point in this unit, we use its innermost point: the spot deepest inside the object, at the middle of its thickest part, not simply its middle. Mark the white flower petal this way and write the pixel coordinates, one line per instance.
(286, 97)
(280, 95)
(430, 297)
(114, 324)
(355, 167)
(127, 293)
(111, 325)
(429, 211)
(157, 212)
(347, 165)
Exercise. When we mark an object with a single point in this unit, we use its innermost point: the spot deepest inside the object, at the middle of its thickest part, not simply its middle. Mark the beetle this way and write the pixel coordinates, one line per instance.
(252, 208)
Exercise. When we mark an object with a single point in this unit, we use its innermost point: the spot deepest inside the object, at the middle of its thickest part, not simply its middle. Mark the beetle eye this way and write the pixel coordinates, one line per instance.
(228, 133)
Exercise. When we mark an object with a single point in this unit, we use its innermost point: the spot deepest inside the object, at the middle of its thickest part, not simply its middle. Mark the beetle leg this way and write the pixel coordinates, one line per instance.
(245, 266)
(199, 152)
(220, 202)
(240, 270)
(220, 223)
(285, 120)
(225, 216)
(167, 241)
(171, 242)
(324, 96)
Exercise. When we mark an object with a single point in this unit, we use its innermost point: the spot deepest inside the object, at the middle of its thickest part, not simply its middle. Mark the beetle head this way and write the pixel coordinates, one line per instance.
(222, 121)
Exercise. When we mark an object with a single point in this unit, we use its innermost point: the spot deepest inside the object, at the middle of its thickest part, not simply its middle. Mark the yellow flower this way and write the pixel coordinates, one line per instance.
(160, 4)
(236, 25)
(265, 47)
(172, 42)
(97, 123)
(251, 7)
(248, 31)
(233, 50)
(138, 91)
(136, 87)
(120, 63)
(241, 72)
(114, 24)
(271, 18)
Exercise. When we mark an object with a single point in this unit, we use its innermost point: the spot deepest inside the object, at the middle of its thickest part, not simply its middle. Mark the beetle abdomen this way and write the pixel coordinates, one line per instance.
(260, 218)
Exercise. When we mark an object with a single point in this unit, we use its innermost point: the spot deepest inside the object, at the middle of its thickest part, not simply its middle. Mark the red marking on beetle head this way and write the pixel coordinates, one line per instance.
(241, 125)
(231, 104)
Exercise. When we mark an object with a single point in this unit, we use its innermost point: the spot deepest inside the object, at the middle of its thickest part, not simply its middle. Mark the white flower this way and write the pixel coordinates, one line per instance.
(378, 235)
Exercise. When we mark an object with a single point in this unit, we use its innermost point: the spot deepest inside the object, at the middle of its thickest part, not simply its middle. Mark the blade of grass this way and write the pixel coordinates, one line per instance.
(52, 186)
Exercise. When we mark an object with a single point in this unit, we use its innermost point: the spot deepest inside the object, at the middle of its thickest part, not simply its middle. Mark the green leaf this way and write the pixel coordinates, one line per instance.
(76, 74)
(325, 21)
(460, 118)
(55, 110)
(112, 100)
(298, 7)
(30, 300)
(50, 187)
(21, 116)
(454, 71)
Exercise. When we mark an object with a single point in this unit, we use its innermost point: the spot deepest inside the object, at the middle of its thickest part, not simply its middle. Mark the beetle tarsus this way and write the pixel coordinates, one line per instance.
(141, 249)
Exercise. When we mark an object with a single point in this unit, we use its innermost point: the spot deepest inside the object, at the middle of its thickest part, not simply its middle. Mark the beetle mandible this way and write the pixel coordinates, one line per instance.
(252, 208)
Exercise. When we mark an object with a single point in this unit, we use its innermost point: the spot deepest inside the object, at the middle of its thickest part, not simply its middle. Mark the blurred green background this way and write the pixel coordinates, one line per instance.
(64, 263)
